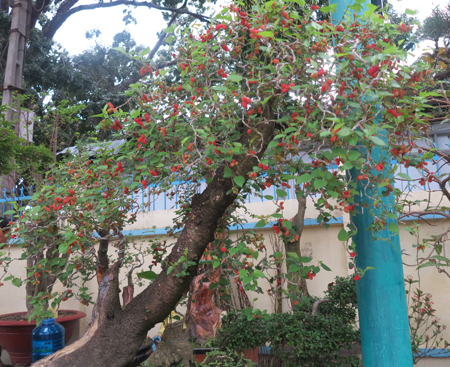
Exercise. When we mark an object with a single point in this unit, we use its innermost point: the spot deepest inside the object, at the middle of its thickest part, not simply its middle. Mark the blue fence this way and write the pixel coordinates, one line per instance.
(165, 201)
(8, 202)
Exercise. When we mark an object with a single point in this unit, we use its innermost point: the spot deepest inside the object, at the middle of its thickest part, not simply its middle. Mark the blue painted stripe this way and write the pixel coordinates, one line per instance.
(435, 353)
(246, 226)
(430, 353)
(426, 216)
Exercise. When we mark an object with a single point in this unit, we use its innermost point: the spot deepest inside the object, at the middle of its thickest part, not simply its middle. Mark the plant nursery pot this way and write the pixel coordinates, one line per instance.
(200, 354)
(252, 354)
(15, 336)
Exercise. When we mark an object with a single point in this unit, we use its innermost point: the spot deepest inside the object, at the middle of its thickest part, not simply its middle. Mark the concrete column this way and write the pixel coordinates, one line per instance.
(15, 59)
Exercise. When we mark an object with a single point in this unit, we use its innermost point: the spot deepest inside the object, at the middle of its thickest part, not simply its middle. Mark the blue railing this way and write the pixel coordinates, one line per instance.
(164, 201)
(8, 202)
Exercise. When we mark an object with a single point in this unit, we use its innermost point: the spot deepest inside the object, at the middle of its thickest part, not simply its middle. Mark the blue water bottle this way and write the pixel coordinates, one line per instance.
(46, 339)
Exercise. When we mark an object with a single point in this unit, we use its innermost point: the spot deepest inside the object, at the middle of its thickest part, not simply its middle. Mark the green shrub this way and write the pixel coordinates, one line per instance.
(300, 338)
(225, 358)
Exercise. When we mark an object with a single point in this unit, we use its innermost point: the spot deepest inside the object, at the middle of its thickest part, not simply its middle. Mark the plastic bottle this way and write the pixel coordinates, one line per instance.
(46, 339)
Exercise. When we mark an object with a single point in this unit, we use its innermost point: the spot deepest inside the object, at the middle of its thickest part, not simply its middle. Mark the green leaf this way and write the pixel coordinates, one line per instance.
(428, 264)
(259, 273)
(17, 282)
(353, 155)
(272, 144)
(305, 259)
(281, 193)
(150, 275)
(370, 9)
(242, 273)
(170, 39)
(120, 49)
(410, 12)
(234, 78)
(9, 212)
(327, 9)
(221, 88)
(441, 258)
(343, 235)
(324, 266)
(228, 172)
(63, 248)
(292, 254)
(239, 180)
(318, 183)
(260, 224)
(294, 268)
(393, 227)
(170, 269)
(266, 34)
(304, 178)
(404, 176)
(377, 140)
(170, 29)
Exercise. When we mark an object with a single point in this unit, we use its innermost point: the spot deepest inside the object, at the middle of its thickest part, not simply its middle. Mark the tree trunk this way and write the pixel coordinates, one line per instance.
(297, 284)
(115, 334)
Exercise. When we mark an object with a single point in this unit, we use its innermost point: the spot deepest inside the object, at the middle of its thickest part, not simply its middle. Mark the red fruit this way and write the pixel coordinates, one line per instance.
(352, 254)
(340, 28)
(192, 80)
(275, 61)
(249, 131)
(308, 135)
(225, 48)
(180, 87)
(223, 249)
(357, 277)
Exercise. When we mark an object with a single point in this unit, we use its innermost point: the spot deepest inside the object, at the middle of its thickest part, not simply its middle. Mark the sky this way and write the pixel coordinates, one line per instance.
(149, 21)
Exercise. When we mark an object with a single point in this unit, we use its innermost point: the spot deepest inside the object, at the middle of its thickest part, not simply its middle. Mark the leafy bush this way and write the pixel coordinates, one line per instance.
(225, 359)
(301, 337)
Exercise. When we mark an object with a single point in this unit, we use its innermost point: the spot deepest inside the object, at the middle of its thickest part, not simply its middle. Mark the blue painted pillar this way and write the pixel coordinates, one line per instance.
(383, 313)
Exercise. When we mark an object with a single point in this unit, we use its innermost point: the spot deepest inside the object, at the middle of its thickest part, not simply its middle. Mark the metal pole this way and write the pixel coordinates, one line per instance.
(382, 307)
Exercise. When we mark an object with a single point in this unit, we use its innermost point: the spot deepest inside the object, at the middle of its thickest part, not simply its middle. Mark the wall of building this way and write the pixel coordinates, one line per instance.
(317, 242)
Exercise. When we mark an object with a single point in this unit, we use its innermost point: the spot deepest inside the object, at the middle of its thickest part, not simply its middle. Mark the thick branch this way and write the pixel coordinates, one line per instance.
(63, 14)
(297, 285)
(317, 304)
(153, 305)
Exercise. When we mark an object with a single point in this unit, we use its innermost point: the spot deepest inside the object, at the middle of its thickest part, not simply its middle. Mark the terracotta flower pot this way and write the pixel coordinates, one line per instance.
(15, 336)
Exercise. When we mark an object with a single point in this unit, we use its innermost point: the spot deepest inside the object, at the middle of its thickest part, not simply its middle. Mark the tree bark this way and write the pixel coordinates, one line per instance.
(115, 334)
(297, 284)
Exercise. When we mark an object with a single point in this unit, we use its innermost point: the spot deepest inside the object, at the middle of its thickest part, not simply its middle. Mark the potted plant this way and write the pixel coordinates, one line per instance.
(57, 247)
(15, 333)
